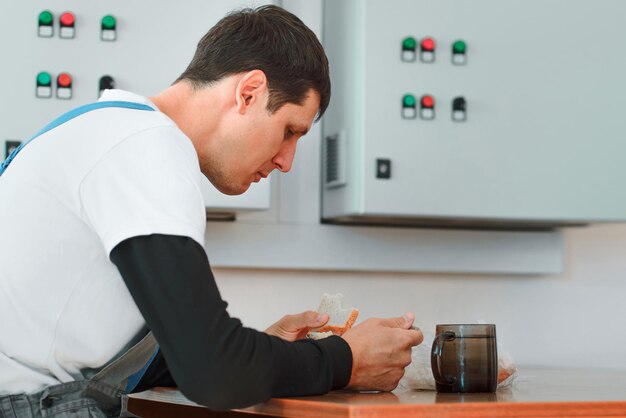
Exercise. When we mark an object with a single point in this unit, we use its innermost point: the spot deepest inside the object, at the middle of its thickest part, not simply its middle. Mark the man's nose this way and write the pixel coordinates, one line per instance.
(284, 159)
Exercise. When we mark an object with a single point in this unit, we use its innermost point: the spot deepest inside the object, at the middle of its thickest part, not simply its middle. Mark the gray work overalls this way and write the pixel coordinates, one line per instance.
(104, 395)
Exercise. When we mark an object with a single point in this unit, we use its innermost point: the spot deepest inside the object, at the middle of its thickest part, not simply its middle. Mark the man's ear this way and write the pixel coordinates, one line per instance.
(251, 89)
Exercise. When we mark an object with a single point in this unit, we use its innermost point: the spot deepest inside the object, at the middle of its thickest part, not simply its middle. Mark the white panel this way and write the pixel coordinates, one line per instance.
(155, 41)
(543, 138)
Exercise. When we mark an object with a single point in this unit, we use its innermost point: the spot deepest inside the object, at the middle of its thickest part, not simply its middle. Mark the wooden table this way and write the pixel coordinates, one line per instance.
(536, 393)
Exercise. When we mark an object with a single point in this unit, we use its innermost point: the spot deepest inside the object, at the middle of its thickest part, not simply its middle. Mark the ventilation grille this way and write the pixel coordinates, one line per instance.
(334, 160)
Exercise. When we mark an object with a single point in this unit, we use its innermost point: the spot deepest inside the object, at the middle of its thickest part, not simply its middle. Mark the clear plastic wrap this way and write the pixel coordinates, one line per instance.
(418, 375)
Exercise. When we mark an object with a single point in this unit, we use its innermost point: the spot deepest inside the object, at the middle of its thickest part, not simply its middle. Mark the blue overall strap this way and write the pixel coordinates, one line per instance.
(135, 378)
(69, 116)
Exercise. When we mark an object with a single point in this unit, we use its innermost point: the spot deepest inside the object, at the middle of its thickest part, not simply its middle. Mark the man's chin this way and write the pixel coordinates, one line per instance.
(233, 190)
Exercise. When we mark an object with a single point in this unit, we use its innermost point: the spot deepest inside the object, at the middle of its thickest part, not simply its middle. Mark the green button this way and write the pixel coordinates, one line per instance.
(45, 18)
(44, 79)
(459, 47)
(108, 22)
(409, 43)
(408, 100)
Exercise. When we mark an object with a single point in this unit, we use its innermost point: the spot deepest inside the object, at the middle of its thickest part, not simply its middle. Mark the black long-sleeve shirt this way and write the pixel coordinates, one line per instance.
(213, 359)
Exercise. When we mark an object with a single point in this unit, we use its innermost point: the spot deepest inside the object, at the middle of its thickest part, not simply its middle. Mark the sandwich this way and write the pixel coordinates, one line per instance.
(339, 319)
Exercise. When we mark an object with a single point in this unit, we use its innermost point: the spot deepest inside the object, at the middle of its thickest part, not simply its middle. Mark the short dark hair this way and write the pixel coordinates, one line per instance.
(269, 39)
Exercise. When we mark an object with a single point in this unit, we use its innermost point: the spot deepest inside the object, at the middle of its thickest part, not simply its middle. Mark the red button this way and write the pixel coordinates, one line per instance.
(428, 44)
(64, 80)
(67, 19)
(428, 101)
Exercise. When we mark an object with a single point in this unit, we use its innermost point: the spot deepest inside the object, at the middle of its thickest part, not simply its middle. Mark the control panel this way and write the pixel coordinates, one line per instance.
(480, 114)
(60, 54)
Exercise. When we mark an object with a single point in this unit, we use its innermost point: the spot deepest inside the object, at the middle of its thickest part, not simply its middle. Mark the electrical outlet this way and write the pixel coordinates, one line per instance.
(9, 146)
(383, 168)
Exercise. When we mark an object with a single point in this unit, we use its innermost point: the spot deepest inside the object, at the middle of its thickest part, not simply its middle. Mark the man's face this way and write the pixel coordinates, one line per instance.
(255, 143)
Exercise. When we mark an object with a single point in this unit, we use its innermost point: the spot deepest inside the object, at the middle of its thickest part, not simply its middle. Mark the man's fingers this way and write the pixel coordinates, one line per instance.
(410, 318)
(404, 322)
(308, 319)
(314, 319)
(416, 336)
(412, 334)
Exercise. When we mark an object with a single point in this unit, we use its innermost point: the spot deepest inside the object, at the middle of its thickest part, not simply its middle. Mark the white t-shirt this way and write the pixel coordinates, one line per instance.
(66, 201)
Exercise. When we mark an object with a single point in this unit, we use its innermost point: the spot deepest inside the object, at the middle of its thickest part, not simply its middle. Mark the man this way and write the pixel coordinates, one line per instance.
(103, 228)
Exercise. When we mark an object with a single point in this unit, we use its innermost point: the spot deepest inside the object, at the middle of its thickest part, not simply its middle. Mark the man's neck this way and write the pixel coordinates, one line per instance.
(196, 112)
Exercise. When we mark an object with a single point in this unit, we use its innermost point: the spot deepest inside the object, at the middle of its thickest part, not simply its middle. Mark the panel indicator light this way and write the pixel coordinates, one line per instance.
(409, 45)
(108, 31)
(44, 79)
(428, 44)
(106, 83)
(427, 50)
(46, 18)
(67, 22)
(64, 80)
(64, 86)
(408, 107)
(459, 55)
(459, 109)
(428, 101)
(459, 47)
(45, 27)
(427, 107)
(408, 100)
(44, 85)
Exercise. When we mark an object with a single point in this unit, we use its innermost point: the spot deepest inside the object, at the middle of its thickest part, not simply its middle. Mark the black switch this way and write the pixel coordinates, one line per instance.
(383, 168)
(106, 83)
(459, 109)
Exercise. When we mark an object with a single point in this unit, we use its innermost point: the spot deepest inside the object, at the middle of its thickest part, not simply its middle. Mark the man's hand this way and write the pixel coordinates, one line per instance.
(381, 349)
(295, 327)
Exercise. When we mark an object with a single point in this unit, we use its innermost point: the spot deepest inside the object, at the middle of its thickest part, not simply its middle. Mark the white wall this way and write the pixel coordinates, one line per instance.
(574, 319)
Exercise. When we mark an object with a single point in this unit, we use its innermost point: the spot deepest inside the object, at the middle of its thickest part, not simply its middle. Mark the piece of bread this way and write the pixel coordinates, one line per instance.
(340, 319)
(503, 374)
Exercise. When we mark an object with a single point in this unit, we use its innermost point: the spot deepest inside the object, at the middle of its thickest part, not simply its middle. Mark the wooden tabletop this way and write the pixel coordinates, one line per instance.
(536, 393)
